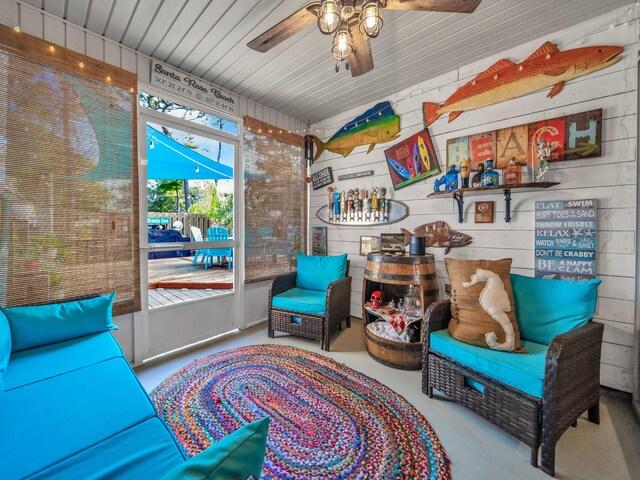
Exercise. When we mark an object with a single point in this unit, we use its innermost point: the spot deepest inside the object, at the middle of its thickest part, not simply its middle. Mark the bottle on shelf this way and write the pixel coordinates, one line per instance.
(476, 181)
(512, 175)
(490, 177)
(413, 302)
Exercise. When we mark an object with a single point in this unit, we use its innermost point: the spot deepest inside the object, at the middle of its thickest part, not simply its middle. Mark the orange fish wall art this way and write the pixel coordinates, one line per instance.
(505, 80)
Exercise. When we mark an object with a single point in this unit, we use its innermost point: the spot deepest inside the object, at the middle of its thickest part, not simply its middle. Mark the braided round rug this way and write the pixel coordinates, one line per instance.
(327, 420)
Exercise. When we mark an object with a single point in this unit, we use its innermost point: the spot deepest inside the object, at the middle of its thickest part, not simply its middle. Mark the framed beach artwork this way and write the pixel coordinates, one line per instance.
(369, 245)
(412, 160)
(318, 241)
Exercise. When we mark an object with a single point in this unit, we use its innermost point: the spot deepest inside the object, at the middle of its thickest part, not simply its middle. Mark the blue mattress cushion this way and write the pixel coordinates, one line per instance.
(144, 451)
(5, 351)
(546, 308)
(44, 324)
(45, 422)
(524, 371)
(236, 456)
(301, 300)
(35, 364)
(317, 272)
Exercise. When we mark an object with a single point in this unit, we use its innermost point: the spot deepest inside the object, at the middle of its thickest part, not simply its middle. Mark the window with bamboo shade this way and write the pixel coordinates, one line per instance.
(68, 176)
(275, 198)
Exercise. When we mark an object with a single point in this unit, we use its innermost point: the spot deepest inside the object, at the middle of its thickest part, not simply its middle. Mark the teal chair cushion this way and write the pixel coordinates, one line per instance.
(40, 363)
(45, 422)
(301, 300)
(144, 451)
(317, 272)
(523, 371)
(45, 324)
(5, 351)
(235, 457)
(546, 308)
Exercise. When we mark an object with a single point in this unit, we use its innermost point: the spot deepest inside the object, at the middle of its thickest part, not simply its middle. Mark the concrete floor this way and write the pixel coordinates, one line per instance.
(477, 449)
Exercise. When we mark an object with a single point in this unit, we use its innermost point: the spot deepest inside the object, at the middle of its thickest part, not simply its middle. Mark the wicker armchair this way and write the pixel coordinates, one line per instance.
(315, 326)
(571, 387)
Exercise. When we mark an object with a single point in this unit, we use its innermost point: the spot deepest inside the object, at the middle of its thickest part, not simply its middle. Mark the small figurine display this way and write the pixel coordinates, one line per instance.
(544, 154)
(476, 181)
(375, 301)
(357, 205)
(452, 178)
(439, 182)
(512, 175)
(465, 171)
(490, 177)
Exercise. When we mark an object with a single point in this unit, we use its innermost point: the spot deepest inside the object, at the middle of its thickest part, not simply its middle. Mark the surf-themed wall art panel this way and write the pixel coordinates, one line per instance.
(570, 138)
(379, 124)
(457, 151)
(566, 233)
(412, 160)
(506, 80)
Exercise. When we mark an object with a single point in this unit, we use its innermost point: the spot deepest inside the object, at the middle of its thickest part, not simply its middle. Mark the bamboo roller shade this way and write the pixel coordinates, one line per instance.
(69, 211)
(275, 193)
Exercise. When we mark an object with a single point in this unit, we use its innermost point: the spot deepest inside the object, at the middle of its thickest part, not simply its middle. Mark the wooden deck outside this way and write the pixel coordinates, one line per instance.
(191, 282)
(162, 297)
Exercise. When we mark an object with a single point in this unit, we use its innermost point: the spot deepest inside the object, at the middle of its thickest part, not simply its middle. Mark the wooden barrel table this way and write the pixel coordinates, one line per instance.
(392, 274)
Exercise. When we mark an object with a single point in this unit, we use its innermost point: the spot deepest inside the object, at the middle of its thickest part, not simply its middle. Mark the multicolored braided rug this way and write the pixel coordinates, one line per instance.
(327, 420)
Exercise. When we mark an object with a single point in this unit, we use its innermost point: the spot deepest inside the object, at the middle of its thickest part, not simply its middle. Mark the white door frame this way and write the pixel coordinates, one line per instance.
(141, 319)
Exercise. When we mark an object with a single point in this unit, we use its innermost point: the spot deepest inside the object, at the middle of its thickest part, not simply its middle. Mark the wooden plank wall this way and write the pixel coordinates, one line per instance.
(56, 30)
(611, 178)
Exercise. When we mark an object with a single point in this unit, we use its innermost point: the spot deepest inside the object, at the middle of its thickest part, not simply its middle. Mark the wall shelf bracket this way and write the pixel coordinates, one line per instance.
(507, 205)
(460, 201)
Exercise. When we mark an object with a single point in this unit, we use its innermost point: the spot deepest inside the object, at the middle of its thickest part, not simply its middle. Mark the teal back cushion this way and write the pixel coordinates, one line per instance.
(5, 350)
(236, 456)
(546, 308)
(45, 324)
(317, 272)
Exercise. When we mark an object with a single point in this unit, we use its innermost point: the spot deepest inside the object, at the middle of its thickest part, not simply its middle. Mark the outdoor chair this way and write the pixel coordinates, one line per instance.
(218, 234)
(313, 301)
(196, 233)
(534, 396)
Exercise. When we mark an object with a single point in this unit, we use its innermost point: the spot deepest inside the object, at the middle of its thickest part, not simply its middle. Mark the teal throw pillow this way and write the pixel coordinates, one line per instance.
(317, 272)
(45, 324)
(546, 308)
(235, 457)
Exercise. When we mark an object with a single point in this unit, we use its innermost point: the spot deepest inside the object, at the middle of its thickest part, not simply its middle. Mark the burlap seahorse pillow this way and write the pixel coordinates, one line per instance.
(489, 322)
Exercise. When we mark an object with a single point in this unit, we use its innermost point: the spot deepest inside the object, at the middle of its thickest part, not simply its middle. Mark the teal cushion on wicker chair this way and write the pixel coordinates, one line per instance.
(301, 300)
(317, 272)
(5, 350)
(546, 308)
(522, 371)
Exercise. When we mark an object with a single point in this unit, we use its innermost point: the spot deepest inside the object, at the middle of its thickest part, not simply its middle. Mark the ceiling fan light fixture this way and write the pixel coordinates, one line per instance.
(329, 16)
(342, 43)
(371, 18)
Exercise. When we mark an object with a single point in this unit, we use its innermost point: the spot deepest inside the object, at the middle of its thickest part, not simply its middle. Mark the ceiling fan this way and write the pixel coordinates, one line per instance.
(352, 23)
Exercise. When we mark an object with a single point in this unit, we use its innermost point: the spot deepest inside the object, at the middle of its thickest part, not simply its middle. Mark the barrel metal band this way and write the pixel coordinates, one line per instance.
(392, 276)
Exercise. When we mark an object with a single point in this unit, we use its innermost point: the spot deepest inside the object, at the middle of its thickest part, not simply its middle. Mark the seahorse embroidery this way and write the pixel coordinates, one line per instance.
(495, 301)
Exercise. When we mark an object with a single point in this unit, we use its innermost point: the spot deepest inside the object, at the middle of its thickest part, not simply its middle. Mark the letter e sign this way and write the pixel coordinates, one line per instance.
(482, 147)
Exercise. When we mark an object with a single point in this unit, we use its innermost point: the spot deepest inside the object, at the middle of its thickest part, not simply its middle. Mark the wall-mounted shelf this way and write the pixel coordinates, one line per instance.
(459, 194)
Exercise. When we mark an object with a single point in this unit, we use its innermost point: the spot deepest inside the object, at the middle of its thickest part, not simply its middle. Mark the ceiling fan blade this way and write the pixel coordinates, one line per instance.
(454, 6)
(361, 59)
(286, 28)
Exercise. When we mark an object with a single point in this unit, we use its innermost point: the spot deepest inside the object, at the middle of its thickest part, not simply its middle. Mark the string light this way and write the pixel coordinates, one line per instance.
(17, 29)
(52, 48)
(132, 89)
(197, 169)
(108, 78)
(81, 64)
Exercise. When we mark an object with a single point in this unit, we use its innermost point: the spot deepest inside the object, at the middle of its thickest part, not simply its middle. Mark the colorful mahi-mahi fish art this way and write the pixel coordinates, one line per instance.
(379, 124)
(412, 160)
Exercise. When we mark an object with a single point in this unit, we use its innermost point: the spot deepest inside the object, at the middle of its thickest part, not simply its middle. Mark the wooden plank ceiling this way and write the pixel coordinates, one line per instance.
(209, 38)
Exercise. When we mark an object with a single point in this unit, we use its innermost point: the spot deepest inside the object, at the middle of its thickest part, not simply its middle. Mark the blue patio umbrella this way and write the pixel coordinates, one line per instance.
(170, 160)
